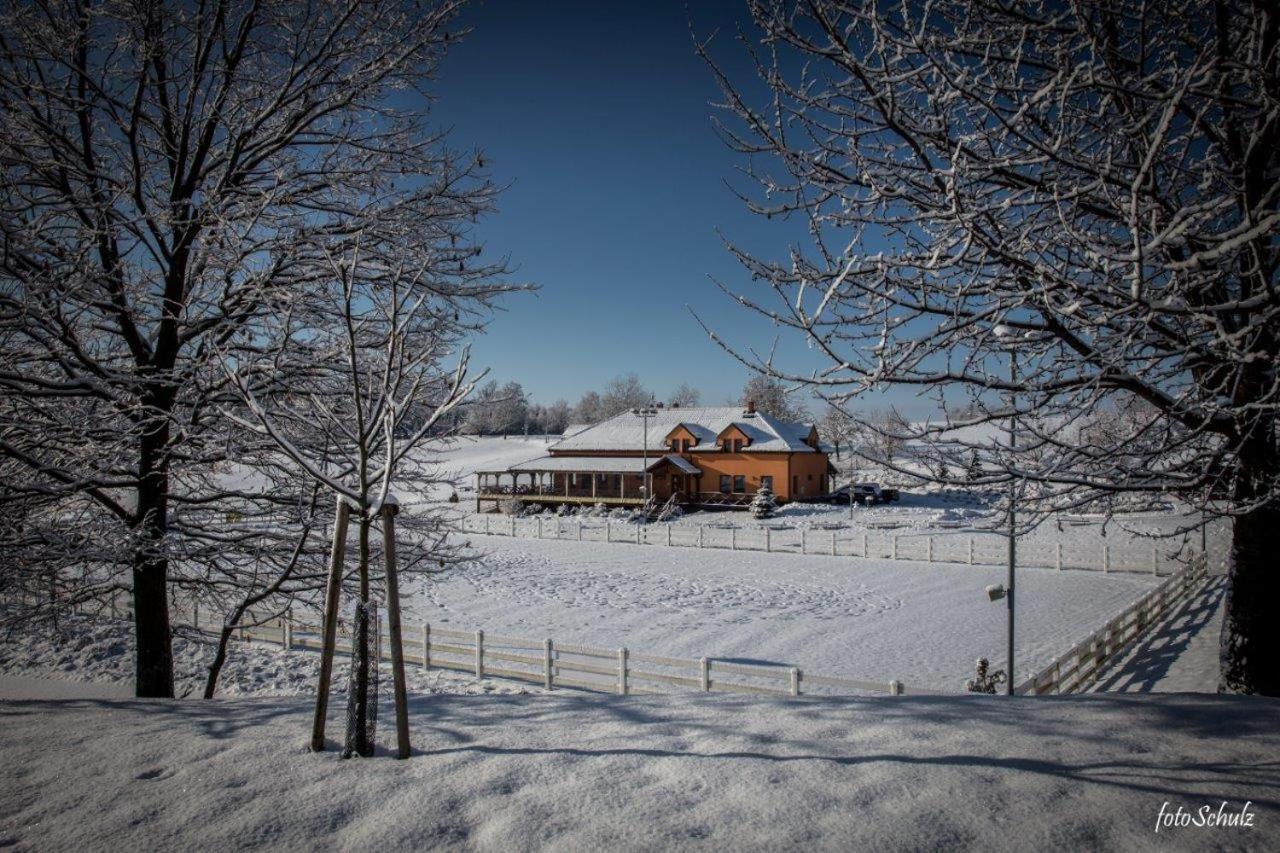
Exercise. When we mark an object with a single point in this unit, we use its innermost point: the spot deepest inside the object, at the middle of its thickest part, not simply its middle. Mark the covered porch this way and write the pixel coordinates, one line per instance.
(608, 480)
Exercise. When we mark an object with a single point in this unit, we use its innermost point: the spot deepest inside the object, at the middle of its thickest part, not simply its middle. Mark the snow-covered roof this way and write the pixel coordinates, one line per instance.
(683, 464)
(626, 431)
(588, 464)
(574, 429)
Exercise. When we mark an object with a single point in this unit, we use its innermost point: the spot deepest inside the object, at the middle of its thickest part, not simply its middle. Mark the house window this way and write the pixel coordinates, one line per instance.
(766, 482)
(685, 445)
(724, 484)
(739, 484)
(737, 445)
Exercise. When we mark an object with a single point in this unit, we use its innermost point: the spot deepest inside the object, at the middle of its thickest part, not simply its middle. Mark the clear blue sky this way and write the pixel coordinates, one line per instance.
(598, 115)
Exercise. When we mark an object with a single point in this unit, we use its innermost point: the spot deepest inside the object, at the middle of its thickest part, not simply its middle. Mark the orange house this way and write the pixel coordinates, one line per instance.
(697, 457)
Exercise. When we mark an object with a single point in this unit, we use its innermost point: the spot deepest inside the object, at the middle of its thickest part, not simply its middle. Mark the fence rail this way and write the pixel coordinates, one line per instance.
(544, 662)
(574, 665)
(878, 544)
(1079, 667)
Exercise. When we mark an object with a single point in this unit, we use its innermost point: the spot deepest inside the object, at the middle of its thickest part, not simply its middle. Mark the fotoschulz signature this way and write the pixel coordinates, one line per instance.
(1205, 816)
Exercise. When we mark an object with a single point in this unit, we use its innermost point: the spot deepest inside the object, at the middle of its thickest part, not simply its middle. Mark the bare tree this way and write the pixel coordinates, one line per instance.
(589, 409)
(172, 174)
(1097, 179)
(622, 393)
(685, 395)
(773, 398)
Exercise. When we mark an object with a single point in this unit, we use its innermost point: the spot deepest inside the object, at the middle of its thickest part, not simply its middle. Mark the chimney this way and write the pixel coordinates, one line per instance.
(751, 407)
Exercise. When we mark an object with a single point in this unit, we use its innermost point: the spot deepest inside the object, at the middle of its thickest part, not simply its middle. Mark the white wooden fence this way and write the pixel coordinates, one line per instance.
(554, 664)
(1079, 667)
(986, 549)
(545, 662)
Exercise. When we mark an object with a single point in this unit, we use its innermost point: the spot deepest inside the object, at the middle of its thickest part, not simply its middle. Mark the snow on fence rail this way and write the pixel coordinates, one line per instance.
(545, 662)
(1079, 667)
(553, 664)
(981, 550)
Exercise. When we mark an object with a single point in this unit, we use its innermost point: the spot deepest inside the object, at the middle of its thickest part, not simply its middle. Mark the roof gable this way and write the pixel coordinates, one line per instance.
(626, 431)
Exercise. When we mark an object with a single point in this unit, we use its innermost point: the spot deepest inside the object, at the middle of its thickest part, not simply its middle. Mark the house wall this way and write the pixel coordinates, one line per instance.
(756, 465)
(795, 475)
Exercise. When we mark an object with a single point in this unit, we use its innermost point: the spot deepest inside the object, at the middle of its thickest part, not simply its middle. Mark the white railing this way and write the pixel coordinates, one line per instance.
(1079, 667)
(546, 662)
(984, 549)
(554, 664)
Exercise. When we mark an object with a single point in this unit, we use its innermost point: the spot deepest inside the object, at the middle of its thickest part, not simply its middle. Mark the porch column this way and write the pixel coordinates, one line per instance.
(566, 483)
(594, 477)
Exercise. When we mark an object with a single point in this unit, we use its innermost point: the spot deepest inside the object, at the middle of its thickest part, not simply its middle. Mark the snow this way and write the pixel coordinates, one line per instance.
(1180, 655)
(626, 431)
(95, 657)
(873, 620)
(579, 772)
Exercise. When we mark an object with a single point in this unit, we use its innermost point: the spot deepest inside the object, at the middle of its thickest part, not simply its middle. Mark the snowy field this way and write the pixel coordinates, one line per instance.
(871, 620)
(576, 772)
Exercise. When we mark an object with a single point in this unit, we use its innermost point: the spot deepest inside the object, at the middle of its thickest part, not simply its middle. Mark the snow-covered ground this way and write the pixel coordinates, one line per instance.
(578, 772)
(99, 652)
(864, 619)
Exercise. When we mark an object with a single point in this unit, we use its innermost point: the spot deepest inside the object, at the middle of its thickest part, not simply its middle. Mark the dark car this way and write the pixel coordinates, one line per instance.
(859, 493)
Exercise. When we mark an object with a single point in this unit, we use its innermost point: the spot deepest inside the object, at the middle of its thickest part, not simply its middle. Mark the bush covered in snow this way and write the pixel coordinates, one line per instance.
(763, 504)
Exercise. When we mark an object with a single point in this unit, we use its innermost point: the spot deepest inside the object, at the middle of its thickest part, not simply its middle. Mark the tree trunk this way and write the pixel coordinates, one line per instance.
(1250, 643)
(154, 656)
(362, 746)
(219, 658)
(1250, 646)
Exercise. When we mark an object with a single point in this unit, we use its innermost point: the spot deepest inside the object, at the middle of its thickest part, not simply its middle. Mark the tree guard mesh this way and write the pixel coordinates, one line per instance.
(362, 711)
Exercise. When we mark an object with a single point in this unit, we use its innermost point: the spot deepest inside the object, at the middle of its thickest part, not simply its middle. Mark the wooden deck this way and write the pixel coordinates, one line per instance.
(553, 498)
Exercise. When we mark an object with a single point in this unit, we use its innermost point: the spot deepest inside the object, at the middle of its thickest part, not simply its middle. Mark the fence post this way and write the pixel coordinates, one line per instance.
(668, 534)
(622, 672)
(539, 527)
(1057, 556)
(768, 541)
(864, 544)
(733, 538)
(895, 688)
(513, 526)
(971, 550)
(637, 532)
(833, 543)
(579, 530)
(195, 614)
(1155, 564)
(288, 629)
(929, 558)
(488, 524)
(699, 535)
(426, 645)
(479, 654)
(546, 664)
(1106, 558)
(895, 546)
(704, 675)
(608, 530)
(795, 681)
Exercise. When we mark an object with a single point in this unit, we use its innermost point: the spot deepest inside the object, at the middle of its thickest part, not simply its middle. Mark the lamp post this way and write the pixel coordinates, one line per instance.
(645, 412)
(1008, 336)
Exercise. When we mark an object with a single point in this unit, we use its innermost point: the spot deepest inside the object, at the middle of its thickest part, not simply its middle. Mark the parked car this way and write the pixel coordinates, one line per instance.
(861, 493)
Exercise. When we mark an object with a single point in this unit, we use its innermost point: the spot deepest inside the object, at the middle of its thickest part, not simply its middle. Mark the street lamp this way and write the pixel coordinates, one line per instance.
(645, 412)
(1008, 338)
